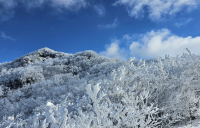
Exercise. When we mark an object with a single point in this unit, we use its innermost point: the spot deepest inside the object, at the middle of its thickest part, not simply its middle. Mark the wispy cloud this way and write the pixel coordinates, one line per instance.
(100, 9)
(72, 5)
(153, 44)
(8, 7)
(5, 37)
(157, 9)
(184, 22)
(108, 26)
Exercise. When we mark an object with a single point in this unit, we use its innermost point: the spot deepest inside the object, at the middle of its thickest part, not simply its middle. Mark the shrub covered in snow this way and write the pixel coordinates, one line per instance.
(49, 89)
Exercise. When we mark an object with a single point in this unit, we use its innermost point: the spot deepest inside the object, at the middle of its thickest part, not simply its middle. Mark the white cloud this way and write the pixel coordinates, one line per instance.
(184, 22)
(157, 9)
(7, 7)
(114, 51)
(162, 42)
(3, 36)
(100, 9)
(107, 26)
(127, 37)
(152, 44)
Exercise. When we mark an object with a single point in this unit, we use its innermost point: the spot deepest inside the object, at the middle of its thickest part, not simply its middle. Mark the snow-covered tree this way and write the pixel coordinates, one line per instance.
(49, 89)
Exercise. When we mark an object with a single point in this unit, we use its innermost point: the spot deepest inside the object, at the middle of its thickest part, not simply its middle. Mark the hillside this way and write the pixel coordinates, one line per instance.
(50, 89)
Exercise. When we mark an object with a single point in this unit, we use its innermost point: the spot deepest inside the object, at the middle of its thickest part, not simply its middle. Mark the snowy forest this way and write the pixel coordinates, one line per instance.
(49, 89)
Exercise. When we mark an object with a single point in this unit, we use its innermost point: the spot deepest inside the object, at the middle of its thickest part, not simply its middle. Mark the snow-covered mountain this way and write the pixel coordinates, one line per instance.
(49, 89)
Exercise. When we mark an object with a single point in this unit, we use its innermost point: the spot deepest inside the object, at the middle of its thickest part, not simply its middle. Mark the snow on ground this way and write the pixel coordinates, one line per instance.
(192, 124)
(52, 89)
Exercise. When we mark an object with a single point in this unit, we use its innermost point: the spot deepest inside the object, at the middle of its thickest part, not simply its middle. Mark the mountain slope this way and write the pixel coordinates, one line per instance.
(46, 88)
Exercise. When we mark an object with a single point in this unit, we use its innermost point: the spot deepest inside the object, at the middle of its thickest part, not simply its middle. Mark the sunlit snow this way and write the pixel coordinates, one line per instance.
(49, 89)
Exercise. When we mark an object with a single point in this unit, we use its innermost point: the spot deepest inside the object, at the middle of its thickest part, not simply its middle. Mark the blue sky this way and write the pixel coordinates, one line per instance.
(114, 28)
